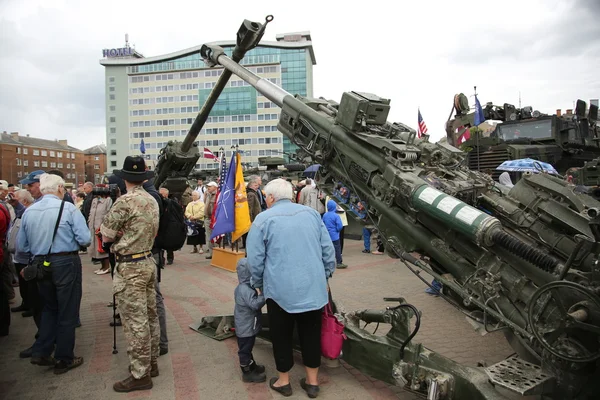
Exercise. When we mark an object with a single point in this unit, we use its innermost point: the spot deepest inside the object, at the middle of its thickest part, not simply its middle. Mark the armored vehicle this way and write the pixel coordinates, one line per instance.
(563, 140)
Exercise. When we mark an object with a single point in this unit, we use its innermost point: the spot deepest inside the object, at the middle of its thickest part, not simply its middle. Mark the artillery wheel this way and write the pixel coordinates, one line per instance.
(565, 319)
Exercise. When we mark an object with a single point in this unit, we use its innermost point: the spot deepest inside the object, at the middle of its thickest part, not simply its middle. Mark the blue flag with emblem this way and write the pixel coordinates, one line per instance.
(224, 214)
(479, 118)
(142, 147)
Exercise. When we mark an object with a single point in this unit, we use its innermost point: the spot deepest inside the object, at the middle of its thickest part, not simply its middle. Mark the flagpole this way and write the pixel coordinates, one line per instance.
(477, 131)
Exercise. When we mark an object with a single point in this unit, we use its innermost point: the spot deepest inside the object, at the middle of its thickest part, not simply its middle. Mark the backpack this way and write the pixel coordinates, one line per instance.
(172, 230)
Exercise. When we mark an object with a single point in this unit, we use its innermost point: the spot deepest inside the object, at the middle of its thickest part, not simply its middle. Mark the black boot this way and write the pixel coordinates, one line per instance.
(250, 373)
(257, 367)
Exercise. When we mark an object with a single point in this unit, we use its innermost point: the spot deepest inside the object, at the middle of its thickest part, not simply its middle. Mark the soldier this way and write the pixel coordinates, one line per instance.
(132, 224)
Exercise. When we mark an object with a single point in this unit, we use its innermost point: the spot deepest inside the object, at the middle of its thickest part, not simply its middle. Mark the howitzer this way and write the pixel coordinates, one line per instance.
(178, 159)
(526, 258)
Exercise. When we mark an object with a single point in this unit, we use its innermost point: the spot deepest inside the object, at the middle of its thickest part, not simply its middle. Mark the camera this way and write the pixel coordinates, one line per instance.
(106, 190)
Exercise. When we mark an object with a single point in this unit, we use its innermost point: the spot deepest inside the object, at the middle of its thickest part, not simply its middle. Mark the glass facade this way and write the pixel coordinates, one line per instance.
(164, 97)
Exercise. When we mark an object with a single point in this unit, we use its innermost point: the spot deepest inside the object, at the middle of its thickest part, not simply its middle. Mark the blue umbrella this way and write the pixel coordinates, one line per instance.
(311, 171)
(527, 165)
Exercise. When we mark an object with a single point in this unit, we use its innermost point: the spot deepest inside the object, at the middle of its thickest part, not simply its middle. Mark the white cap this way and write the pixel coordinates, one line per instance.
(212, 183)
(3, 185)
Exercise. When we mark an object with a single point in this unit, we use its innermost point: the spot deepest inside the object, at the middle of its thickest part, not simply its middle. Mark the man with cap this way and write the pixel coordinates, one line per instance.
(3, 193)
(32, 184)
(130, 227)
(209, 205)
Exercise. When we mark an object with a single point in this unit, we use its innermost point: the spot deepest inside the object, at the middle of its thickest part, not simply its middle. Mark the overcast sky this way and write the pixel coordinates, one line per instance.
(421, 54)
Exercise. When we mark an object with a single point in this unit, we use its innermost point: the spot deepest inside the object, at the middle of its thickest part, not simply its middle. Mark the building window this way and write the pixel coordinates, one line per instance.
(113, 163)
(113, 141)
(60, 165)
(113, 119)
(52, 165)
(52, 154)
(73, 156)
(36, 152)
(111, 79)
(25, 151)
(111, 96)
(26, 163)
(36, 163)
(114, 152)
(112, 108)
(18, 150)
(44, 153)
(111, 89)
(19, 174)
(96, 158)
(59, 154)
(18, 161)
(96, 166)
(113, 130)
(44, 164)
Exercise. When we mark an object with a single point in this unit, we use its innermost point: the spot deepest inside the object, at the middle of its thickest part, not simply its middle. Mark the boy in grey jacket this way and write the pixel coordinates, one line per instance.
(247, 316)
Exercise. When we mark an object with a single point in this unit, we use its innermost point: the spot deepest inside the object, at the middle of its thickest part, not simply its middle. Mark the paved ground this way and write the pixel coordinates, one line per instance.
(197, 367)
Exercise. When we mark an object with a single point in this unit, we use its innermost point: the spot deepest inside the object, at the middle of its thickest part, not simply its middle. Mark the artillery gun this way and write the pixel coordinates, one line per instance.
(563, 140)
(525, 259)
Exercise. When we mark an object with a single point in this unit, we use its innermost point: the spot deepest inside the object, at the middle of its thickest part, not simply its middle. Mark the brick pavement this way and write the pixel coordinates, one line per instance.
(197, 367)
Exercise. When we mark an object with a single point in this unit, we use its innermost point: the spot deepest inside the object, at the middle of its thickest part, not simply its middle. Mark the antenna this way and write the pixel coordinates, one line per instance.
(127, 40)
(519, 99)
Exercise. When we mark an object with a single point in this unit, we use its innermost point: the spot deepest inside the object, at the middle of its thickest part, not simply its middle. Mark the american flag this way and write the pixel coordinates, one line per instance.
(221, 182)
(422, 127)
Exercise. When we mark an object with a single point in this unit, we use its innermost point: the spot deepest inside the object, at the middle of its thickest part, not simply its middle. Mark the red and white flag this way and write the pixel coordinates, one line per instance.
(464, 134)
(209, 154)
(422, 128)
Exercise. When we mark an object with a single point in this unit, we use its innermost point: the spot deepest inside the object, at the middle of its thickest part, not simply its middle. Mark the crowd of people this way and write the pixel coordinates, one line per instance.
(46, 230)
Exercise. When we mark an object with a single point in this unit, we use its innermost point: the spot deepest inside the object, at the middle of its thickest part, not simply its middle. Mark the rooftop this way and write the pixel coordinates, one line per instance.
(296, 40)
(15, 139)
(97, 149)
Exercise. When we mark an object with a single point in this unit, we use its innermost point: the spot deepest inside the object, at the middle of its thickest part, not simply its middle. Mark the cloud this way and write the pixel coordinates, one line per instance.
(420, 55)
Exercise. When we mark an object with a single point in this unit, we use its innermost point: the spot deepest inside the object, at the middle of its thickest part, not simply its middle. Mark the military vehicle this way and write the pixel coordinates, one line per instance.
(524, 260)
(563, 140)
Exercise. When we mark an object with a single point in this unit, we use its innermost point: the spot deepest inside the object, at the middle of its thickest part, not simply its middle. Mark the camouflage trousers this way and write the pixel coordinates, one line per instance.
(134, 289)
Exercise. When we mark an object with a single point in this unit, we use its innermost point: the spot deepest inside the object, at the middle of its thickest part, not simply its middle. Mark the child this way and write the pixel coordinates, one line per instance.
(247, 323)
(334, 225)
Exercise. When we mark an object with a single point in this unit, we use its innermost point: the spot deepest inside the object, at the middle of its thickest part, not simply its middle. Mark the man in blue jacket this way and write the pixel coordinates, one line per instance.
(333, 223)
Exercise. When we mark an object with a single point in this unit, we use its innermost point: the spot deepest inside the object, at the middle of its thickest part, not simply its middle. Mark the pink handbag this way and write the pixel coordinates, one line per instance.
(332, 334)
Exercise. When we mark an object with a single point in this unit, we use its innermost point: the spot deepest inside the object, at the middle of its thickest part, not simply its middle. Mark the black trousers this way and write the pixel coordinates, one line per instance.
(342, 239)
(245, 346)
(281, 331)
(4, 311)
(22, 285)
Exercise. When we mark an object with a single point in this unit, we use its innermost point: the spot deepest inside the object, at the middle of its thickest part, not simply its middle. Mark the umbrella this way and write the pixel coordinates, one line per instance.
(311, 171)
(527, 165)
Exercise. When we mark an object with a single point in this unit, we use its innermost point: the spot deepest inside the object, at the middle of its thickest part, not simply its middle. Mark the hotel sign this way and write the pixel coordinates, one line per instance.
(122, 52)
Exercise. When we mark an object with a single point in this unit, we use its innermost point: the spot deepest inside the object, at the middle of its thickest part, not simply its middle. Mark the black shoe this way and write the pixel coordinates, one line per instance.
(283, 390)
(116, 322)
(208, 257)
(257, 367)
(251, 374)
(311, 390)
(169, 262)
(163, 351)
(27, 313)
(19, 308)
(62, 366)
(366, 251)
(43, 361)
(26, 353)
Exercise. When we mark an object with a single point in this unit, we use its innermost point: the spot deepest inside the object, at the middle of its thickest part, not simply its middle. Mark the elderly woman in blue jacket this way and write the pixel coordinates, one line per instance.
(291, 256)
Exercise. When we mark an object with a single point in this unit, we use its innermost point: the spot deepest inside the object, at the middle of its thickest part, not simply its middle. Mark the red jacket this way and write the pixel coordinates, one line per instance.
(4, 223)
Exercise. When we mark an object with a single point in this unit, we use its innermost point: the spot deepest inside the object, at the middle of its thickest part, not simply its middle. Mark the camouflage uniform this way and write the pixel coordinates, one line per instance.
(133, 222)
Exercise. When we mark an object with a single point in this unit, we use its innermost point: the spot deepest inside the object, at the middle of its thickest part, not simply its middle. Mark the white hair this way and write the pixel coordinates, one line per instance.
(49, 183)
(280, 189)
(24, 196)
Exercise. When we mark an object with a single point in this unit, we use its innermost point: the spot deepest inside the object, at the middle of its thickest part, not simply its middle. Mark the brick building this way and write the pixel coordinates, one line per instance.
(20, 155)
(94, 163)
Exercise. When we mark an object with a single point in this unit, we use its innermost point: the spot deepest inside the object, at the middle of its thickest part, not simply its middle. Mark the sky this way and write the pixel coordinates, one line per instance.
(418, 55)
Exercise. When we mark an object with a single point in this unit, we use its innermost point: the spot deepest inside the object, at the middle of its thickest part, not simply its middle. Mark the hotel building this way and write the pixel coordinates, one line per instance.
(156, 99)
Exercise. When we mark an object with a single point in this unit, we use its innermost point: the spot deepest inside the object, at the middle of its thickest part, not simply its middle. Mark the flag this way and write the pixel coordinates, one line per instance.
(422, 127)
(479, 118)
(242, 211)
(209, 154)
(225, 211)
(465, 134)
(142, 147)
(222, 175)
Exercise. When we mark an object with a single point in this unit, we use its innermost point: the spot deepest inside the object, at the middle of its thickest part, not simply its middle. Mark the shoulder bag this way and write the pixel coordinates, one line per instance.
(40, 267)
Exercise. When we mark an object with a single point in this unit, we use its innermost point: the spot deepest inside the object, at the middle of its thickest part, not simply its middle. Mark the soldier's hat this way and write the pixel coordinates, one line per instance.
(134, 170)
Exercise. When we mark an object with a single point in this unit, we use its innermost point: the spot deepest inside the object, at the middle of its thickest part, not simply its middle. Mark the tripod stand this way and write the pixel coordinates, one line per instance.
(112, 260)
